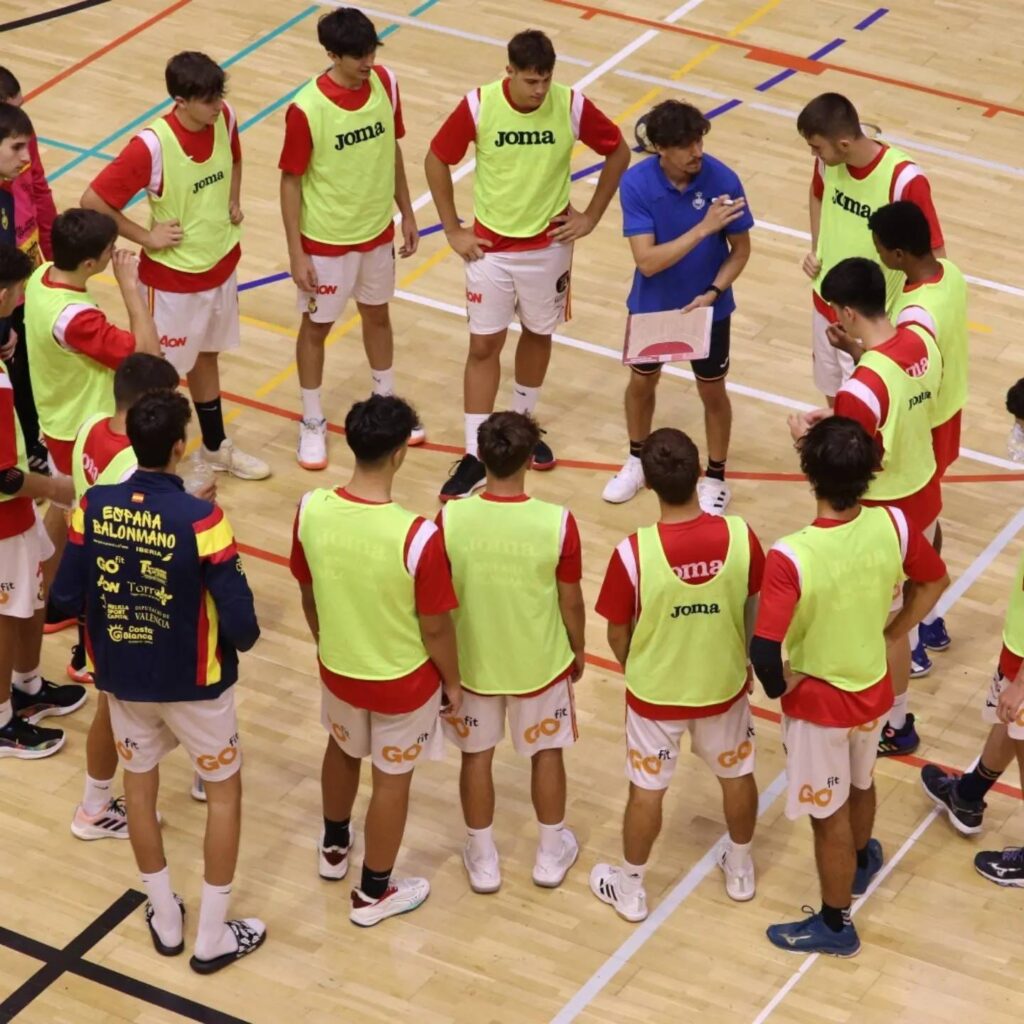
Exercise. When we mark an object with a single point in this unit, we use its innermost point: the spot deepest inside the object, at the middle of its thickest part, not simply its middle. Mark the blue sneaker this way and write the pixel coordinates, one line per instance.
(920, 663)
(812, 935)
(934, 636)
(899, 741)
(862, 879)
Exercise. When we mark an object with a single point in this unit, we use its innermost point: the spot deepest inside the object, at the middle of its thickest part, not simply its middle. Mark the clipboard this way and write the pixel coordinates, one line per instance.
(669, 337)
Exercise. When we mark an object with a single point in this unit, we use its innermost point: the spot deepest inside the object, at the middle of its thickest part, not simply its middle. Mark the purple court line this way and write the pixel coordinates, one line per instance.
(871, 19)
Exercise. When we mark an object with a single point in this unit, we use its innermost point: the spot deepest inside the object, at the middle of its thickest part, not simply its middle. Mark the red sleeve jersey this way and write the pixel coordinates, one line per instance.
(16, 514)
(42, 197)
(100, 447)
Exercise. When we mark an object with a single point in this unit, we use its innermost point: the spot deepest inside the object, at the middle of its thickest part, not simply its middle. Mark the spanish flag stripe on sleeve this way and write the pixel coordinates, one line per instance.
(214, 539)
(76, 525)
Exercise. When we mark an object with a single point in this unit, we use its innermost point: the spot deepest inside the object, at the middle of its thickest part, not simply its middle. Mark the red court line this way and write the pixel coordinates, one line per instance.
(105, 49)
(779, 58)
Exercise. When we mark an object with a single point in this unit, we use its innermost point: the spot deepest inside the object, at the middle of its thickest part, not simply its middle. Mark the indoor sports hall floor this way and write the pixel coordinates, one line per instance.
(941, 79)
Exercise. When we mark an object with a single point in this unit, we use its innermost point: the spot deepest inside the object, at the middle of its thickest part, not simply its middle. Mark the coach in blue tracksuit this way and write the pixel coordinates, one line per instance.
(167, 606)
(688, 225)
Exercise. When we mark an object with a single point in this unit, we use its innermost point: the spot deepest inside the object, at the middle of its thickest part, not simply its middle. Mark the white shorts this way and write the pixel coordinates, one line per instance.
(724, 742)
(145, 732)
(190, 323)
(21, 570)
(545, 721)
(533, 285)
(988, 713)
(832, 368)
(367, 277)
(394, 743)
(822, 762)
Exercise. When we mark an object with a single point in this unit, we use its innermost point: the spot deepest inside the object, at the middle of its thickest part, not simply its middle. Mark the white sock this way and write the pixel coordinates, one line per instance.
(383, 381)
(738, 854)
(632, 877)
(214, 938)
(550, 838)
(311, 409)
(166, 912)
(27, 682)
(96, 794)
(898, 714)
(930, 618)
(481, 843)
(6, 712)
(524, 399)
(474, 420)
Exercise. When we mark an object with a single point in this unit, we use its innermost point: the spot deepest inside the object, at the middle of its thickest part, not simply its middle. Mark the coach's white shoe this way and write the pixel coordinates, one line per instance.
(312, 450)
(333, 860)
(229, 459)
(606, 884)
(484, 872)
(739, 880)
(402, 896)
(626, 484)
(713, 495)
(549, 871)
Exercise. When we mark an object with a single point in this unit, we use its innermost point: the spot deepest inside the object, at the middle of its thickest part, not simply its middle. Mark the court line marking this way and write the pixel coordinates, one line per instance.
(58, 12)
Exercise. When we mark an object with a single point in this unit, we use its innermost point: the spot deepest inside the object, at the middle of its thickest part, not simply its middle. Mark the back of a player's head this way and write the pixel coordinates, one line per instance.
(347, 32)
(531, 50)
(191, 75)
(839, 458)
(674, 123)
(10, 87)
(902, 225)
(377, 427)
(14, 122)
(1015, 400)
(856, 283)
(830, 115)
(140, 373)
(671, 465)
(155, 424)
(79, 235)
(15, 270)
(507, 440)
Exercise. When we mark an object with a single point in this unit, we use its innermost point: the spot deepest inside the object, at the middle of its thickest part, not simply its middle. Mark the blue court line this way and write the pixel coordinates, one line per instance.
(70, 147)
(871, 19)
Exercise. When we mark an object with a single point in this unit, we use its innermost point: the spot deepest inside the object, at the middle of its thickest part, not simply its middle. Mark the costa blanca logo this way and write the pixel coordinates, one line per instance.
(699, 202)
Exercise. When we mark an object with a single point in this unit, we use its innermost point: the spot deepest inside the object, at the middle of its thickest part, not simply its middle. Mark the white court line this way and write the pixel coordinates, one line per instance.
(674, 371)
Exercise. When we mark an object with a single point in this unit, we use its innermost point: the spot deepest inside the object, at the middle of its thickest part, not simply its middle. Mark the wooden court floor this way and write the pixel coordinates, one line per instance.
(943, 80)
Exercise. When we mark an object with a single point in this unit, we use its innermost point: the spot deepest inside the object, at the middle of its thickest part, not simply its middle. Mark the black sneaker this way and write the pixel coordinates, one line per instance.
(1004, 867)
(964, 815)
(467, 475)
(20, 739)
(894, 742)
(52, 699)
(543, 457)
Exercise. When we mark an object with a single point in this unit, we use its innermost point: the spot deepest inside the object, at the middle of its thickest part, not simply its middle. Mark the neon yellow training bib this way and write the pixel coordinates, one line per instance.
(116, 470)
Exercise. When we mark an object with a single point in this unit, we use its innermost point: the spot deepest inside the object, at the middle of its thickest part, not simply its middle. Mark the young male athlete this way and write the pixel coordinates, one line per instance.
(167, 609)
(516, 564)
(25, 697)
(680, 598)
(689, 246)
(933, 299)
(518, 250)
(189, 162)
(827, 594)
(342, 175)
(377, 594)
(853, 176)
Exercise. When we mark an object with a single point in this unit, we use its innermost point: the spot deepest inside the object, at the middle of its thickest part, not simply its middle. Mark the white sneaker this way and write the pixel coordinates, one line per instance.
(626, 484)
(739, 882)
(1015, 443)
(606, 885)
(110, 823)
(198, 788)
(418, 435)
(713, 495)
(484, 873)
(333, 860)
(229, 459)
(402, 896)
(549, 872)
(312, 450)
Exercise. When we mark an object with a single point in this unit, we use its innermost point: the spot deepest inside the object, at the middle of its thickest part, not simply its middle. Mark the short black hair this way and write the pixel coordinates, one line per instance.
(672, 123)
(192, 75)
(378, 427)
(839, 458)
(15, 266)
(79, 235)
(1015, 400)
(9, 85)
(902, 225)
(347, 32)
(155, 424)
(830, 115)
(531, 50)
(139, 373)
(671, 465)
(507, 440)
(14, 121)
(858, 283)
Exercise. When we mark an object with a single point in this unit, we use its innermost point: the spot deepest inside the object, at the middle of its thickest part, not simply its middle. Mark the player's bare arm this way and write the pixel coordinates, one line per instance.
(309, 610)
(162, 235)
(574, 616)
(125, 265)
(463, 240)
(438, 633)
(410, 232)
(811, 264)
(576, 223)
(619, 638)
(235, 199)
(300, 263)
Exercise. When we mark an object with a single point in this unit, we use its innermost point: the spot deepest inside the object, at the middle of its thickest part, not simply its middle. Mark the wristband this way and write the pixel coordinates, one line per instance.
(714, 288)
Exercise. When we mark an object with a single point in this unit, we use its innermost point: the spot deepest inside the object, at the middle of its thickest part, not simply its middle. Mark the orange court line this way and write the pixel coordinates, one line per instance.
(780, 58)
(106, 48)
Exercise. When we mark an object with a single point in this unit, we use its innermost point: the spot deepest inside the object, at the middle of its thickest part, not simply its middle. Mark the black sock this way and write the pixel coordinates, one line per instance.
(78, 651)
(336, 833)
(835, 917)
(211, 423)
(862, 858)
(634, 448)
(716, 469)
(973, 786)
(375, 883)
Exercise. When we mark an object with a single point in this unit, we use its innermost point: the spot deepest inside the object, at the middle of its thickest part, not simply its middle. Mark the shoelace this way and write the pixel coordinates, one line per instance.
(116, 806)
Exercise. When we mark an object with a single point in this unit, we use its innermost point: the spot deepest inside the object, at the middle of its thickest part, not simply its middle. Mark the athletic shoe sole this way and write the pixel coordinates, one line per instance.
(631, 918)
(56, 627)
(24, 754)
(483, 890)
(312, 466)
(397, 913)
(218, 963)
(964, 830)
(458, 497)
(820, 952)
(415, 442)
(54, 712)
(91, 832)
(543, 467)
(735, 899)
(1006, 883)
(553, 884)
(81, 676)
